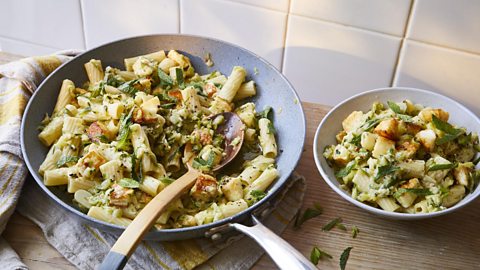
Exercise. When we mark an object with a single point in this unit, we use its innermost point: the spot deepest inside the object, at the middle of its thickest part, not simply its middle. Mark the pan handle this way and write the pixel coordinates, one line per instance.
(281, 252)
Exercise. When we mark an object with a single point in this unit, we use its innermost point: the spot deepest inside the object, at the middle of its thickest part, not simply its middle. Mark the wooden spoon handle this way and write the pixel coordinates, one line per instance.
(133, 234)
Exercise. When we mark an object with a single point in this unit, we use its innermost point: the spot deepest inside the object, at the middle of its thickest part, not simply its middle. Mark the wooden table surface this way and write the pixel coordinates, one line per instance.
(447, 242)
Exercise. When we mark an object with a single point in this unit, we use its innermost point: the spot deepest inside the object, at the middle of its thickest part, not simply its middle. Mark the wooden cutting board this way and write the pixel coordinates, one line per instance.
(447, 242)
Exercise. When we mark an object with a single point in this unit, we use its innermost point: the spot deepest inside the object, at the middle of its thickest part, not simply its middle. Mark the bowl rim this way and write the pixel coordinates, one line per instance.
(260, 205)
(371, 209)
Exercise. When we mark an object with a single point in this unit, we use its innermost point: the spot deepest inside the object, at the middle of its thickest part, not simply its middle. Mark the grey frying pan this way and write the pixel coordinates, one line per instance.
(273, 90)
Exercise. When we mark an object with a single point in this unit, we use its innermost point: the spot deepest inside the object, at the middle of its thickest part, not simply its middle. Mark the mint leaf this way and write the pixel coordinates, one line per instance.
(355, 231)
(344, 258)
(416, 191)
(446, 166)
(179, 77)
(128, 183)
(128, 88)
(385, 170)
(124, 130)
(332, 224)
(395, 108)
(166, 81)
(266, 113)
(317, 254)
(309, 213)
(66, 159)
(451, 133)
(346, 170)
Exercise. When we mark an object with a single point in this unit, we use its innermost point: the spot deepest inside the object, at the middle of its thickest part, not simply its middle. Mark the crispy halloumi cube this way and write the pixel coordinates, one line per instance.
(427, 138)
(387, 128)
(426, 114)
(462, 173)
(382, 146)
(353, 121)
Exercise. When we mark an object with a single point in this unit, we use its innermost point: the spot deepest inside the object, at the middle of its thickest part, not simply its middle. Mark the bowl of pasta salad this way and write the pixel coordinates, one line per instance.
(402, 153)
(110, 129)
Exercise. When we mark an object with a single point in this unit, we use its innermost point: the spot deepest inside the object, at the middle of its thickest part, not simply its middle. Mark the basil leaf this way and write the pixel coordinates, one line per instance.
(385, 170)
(128, 183)
(66, 159)
(309, 213)
(416, 191)
(166, 81)
(128, 88)
(355, 231)
(344, 258)
(346, 170)
(332, 224)
(317, 254)
(446, 166)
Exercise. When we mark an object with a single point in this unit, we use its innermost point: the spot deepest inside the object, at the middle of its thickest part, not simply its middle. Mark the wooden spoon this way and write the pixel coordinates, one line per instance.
(231, 128)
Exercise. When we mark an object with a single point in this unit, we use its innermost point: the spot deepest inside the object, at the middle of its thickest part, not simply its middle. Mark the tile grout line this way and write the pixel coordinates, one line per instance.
(29, 42)
(284, 47)
(83, 25)
(402, 44)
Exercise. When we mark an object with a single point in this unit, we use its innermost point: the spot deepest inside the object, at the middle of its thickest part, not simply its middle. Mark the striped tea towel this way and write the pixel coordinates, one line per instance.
(18, 80)
(85, 246)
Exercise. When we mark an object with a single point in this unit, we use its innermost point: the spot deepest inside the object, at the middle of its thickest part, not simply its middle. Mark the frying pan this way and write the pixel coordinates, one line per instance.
(273, 90)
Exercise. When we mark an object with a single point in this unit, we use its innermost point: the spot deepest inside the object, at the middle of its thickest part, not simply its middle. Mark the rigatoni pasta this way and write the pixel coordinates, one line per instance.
(121, 138)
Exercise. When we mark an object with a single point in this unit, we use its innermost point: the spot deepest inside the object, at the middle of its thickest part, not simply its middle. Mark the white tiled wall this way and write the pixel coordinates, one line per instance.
(328, 49)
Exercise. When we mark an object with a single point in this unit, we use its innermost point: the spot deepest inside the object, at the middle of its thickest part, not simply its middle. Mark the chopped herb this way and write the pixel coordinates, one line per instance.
(168, 105)
(446, 166)
(134, 166)
(346, 170)
(66, 159)
(309, 213)
(356, 140)
(204, 165)
(103, 138)
(166, 180)
(332, 224)
(255, 71)
(416, 191)
(166, 81)
(344, 258)
(179, 77)
(271, 129)
(124, 130)
(128, 183)
(451, 133)
(317, 254)
(257, 195)
(98, 89)
(385, 170)
(355, 231)
(128, 88)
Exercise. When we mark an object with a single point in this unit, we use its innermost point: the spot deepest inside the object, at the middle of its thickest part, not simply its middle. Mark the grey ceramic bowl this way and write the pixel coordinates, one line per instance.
(332, 124)
(273, 90)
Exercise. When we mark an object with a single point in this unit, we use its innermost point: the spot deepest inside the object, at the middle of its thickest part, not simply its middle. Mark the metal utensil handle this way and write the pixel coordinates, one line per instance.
(282, 253)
